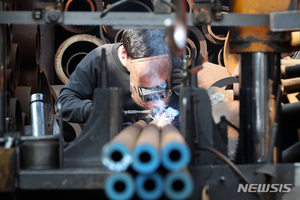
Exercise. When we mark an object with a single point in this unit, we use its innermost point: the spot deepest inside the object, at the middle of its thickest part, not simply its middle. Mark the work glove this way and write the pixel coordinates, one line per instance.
(177, 80)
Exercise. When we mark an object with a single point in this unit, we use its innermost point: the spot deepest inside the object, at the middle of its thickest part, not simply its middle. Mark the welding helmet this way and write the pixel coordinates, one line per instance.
(150, 80)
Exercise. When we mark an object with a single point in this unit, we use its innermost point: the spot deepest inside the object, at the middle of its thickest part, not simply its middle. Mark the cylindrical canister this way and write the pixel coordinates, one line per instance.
(38, 117)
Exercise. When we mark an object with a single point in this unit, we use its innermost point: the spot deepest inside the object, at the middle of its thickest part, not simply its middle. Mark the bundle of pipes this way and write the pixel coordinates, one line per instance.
(290, 73)
(150, 162)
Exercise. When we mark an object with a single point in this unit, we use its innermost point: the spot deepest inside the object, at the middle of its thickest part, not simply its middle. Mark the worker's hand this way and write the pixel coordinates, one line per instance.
(177, 80)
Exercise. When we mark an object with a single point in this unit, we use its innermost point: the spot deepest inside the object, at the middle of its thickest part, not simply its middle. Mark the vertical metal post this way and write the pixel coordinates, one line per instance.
(254, 107)
(2, 76)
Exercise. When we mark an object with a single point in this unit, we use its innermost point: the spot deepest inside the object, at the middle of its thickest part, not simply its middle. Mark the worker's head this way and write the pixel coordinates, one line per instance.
(150, 66)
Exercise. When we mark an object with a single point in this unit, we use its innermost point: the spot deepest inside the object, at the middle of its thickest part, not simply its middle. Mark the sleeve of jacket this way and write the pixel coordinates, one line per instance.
(76, 96)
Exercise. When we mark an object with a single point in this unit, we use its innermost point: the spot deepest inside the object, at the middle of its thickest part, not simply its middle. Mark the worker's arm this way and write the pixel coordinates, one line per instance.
(76, 96)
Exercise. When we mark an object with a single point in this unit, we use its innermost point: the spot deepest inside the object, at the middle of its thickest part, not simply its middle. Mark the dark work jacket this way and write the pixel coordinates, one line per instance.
(76, 96)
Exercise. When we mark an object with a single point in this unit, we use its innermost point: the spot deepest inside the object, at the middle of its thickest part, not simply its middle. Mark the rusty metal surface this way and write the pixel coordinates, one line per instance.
(28, 38)
(231, 60)
(246, 39)
(209, 33)
(23, 93)
(198, 38)
(73, 61)
(189, 46)
(7, 170)
(30, 77)
(291, 85)
(90, 42)
(55, 89)
(46, 91)
(47, 51)
(231, 111)
(84, 5)
(15, 113)
(209, 74)
(109, 33)
(118, 36)
(218, 95)
(14, 63)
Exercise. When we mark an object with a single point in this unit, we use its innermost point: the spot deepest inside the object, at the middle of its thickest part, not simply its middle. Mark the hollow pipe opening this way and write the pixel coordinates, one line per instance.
(149, 185)
(178, 185)
(77, 5)
(175, 155)
(116, 156)
(145, 157)
(120, 186)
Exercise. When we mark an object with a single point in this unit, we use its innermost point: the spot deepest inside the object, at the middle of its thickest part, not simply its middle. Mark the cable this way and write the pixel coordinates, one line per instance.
(230, 124)
(228, 162)
(111, 7)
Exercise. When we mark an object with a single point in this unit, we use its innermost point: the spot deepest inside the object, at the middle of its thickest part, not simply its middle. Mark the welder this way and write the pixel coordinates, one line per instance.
(141, 65)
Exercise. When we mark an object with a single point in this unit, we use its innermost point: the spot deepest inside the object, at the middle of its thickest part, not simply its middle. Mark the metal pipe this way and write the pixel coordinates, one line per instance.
(77, 43)
(73, 62)
(38, 115)
(290, 71)
(116, 154)
(149, 186)
(119, 186)
(254, 102)
(290, 115)
(175, 153)
(291, 85)
(291, 110)
(261, 93)
(83, 5)
(128, 6)
(145, 154)
(179, 185)
(291, 154)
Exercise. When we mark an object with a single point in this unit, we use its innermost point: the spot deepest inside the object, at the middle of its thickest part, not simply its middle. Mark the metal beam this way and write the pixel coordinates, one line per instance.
(130, 19)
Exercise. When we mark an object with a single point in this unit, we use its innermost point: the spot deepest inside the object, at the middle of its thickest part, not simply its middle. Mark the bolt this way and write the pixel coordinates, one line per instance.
(201, 17)
(37, 14)
(222, 178)
(53, 16)
(218, 16)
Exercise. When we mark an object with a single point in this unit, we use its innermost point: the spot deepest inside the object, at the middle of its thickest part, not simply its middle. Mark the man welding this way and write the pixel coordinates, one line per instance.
(141, 66)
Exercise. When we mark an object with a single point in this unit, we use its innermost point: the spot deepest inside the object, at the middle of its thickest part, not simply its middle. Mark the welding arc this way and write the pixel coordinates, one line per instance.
(119, 186)
(116, 155)
(178, 185)
(145, 154)
(149, 186)
(174, 151)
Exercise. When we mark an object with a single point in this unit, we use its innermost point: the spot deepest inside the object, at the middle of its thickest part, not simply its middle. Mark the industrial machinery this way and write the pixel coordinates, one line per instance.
(247, 148)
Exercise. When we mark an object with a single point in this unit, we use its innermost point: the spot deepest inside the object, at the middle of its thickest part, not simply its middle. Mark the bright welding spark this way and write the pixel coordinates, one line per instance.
(164, 116)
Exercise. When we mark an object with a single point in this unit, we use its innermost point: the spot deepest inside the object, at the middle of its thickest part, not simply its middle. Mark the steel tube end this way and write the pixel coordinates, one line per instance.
(178, 185)
(116, 157)
(149, 186)
(119, 186)
(145, 159)
(175, 156)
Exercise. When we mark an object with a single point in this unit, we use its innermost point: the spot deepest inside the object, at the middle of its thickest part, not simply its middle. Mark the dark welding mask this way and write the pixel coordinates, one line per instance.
(150, 80)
